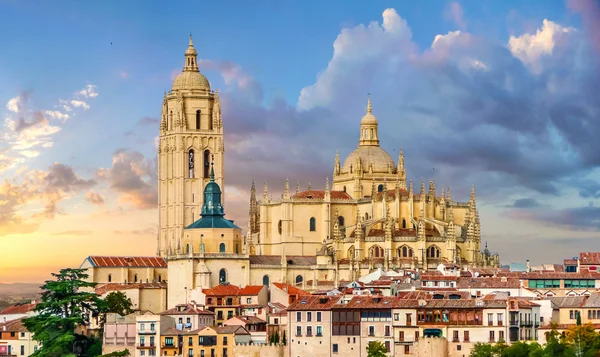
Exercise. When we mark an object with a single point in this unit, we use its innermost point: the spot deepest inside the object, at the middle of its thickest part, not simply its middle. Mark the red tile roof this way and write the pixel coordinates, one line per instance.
(317, 303)
(232, 329)
(314, 194)
(105, 288)
(188, 309)
(589, 258)
(117, 262)
(18, 309)
(560, 275)
(249, 320)
(436, 277)
(570, 262)
(251, 290)
(376, 302)
(222, 290)
(15, 325)
(488, 283)
(290, 289)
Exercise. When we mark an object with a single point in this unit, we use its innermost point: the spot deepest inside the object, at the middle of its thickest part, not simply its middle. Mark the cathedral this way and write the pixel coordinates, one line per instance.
(367, 218)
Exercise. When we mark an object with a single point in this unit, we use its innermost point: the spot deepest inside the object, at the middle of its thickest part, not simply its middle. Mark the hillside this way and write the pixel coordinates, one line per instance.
(17, 293)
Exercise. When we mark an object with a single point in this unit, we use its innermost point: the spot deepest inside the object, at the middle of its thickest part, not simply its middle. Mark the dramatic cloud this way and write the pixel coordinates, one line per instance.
(27, 131)
(18, 199)
(581, 218)
(590, 12)
(455, 13)
(516, 120)
(526, 203)
(133, 177)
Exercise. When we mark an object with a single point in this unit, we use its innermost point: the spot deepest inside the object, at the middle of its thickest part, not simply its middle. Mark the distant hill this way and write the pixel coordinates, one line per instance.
(20, 289)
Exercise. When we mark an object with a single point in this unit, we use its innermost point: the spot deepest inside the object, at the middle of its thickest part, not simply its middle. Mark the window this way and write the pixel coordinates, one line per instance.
(187, 249)
(466, 336)
(299, 279)
(190, 341)
(142, 341)
(408, 319)
(308, 316)
(319, 331)
(371, 330)
(22, 350)
(222, 276)
(433, 252)
(225, 340)
(308, 330)
(387, 331)
(455, 336)
(318, 316)
(387, 346)
(298, 330)
(401, 336)
(142, 327)
(396, 316)
(298, 316)
(492, 336)
(406, 349)
(416, 335)
(490, 319)
(501, 335)
(159, 278)
(380, 188)
(341, 221)
(197, 119)
(403, 223)
(334, 348)
(376, 252)
(313, 224)
(191, 163)
(222, 248)
(109, 278)
(248, 300)
(279, 227)
(135, 278)
(405, 252)
(151, 327)
(169, 341)
(206, 163)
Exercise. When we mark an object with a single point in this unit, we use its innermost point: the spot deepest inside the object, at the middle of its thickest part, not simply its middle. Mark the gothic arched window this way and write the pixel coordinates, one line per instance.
(279, 227)
(222, 276)
(191, 163)
(313, 224)
(403, 223)
(299, 279)
(366, 216)
(376, 252)
(341, 221)
(405, 252)
(206, 163)
(222, 248)
(433, 252)
(197, 119)
(187, 249)
(344, 189)
(380, 188)
(210, 123)
(135, 278)
(266, 280)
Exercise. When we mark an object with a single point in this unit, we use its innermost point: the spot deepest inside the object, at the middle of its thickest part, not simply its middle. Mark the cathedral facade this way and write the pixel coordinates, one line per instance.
(368, 217)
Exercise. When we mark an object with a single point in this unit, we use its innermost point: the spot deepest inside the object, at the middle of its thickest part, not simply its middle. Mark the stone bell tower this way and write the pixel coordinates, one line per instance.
(191, 135)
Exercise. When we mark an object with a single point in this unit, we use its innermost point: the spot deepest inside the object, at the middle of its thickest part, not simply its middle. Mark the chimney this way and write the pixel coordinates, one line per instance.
(527, 266)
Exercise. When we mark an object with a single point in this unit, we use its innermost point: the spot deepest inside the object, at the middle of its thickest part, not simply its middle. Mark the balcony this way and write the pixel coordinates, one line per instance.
(142, 346)
(403, 342)
(455, 339)
(526, 323)
(147, 332)
(514, 323)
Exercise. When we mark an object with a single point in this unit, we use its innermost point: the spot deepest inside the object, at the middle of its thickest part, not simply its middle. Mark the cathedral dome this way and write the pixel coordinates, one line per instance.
(191, 80)
(370, 155)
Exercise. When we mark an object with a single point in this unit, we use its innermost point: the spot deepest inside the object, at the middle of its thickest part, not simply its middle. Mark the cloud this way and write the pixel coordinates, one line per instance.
(148, 121)
(36, 186)
(80, 104)
(455, 13)
(526, 203)
(515, 119)
(88, 92)
(234, 75)
(590, 13)
(72, 233)
(586, 218)
(55, 114)
(133, 177)
(137, 232)
(94, 198)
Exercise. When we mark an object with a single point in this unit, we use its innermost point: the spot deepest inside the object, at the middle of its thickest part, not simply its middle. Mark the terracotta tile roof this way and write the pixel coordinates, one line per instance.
(188, 309)
(222, 290)
(567, 301)
(232, 329)
(392, 194)
(317, 303)
(593, 300)
(377, 302)
(488, 283)
(18, 309)
(589, 258)
(276, 306)
(249, 320)
(570, 262)
(316, 194)
(15, 325)
(105, 288)
(436, 277)
(428, 294)
(524, 303)
(251, 290)
(117, 262)
(291, 290)
(279, 313)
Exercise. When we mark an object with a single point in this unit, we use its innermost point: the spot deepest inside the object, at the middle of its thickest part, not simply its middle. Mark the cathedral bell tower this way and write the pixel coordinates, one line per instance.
(191, 133)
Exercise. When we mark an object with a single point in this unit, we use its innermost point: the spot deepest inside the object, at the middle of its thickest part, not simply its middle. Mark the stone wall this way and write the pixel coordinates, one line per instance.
(432, 347)
(244, 350)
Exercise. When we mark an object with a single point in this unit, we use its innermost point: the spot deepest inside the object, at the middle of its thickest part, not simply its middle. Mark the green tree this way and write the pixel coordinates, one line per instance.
(376, 349)
(65, 305)
(123, 353)
(284, 339)
(483, 350)
(578, 318)
(118, 303)
(276, 338)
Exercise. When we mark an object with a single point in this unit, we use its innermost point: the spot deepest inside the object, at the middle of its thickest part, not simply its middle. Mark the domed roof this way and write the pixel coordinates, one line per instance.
(374, 155)
(191, 80)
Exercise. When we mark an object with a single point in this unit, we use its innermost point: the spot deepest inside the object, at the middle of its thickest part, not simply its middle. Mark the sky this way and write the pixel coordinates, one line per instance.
(497, 94)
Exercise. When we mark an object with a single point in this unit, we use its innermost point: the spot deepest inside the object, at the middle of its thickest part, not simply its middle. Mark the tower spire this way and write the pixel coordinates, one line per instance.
(286, 192)
(191, 63)
(212, 168)
(368, 128)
